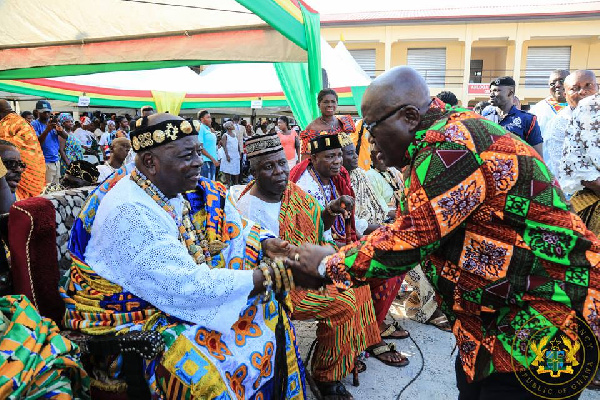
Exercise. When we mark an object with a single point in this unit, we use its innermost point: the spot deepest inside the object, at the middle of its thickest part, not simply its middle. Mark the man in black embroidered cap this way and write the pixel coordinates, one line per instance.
(503, 112)
(164, 249)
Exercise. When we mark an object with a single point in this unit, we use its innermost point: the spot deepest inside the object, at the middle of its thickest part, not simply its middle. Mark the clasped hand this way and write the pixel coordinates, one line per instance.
(303, 260)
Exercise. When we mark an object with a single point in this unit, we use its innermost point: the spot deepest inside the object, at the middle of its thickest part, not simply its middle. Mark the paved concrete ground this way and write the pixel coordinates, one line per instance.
(437, 381)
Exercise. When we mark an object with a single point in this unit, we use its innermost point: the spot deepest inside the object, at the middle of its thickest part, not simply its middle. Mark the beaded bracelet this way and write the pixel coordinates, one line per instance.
(278, 284)
(268, 282)
(291, 277)
(284, 277)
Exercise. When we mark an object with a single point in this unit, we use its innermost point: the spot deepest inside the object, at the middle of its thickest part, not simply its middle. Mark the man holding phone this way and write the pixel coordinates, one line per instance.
(47, 130)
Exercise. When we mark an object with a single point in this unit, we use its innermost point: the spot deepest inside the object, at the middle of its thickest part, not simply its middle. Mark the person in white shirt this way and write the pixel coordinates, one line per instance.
(549, 107)
(118, 152)
(579, 85)
(84, 133)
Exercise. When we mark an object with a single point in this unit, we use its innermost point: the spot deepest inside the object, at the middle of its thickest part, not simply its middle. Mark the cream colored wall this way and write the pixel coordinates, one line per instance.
(496, 43)
(494, 61)
(454, 59)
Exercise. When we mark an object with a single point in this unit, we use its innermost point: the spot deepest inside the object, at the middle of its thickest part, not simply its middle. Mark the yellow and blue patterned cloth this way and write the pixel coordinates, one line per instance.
(198, 362)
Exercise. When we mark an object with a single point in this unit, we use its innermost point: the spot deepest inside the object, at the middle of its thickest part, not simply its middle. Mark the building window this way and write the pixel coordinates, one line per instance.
(431, 64)
(476, 71)
(366, 59)
(541, 61)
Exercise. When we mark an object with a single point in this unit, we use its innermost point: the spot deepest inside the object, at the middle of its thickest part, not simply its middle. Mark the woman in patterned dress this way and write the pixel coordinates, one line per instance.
(70, 149)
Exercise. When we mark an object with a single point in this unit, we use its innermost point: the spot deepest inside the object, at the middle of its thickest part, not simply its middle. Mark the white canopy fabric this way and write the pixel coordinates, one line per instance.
(68, 32)
(342, 71)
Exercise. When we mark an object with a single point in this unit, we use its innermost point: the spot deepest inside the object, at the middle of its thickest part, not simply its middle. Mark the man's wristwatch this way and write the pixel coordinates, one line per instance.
(322, 268)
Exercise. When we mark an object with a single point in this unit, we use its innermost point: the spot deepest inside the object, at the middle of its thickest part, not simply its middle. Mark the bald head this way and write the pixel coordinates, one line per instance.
(399, 86)
(5, 108)
(579, 85)
(395, 103)
(119, 140)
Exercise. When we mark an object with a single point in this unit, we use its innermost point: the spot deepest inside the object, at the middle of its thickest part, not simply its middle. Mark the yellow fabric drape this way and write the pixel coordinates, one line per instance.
(168, 101)
(364, 157)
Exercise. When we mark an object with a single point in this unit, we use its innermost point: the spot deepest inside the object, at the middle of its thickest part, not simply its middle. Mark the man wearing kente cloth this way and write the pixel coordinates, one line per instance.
(510, 263)
(323, 177)
(157, 247)
(346, 319)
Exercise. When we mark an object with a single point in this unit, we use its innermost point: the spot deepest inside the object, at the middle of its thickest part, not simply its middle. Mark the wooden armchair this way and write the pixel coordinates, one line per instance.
(38, 233)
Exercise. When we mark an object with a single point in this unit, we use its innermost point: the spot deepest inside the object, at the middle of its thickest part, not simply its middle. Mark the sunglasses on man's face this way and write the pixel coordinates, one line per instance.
(14, 164)
(369, 126)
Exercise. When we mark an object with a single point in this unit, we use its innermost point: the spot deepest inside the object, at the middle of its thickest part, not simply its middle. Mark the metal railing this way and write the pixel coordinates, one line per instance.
(453, 78)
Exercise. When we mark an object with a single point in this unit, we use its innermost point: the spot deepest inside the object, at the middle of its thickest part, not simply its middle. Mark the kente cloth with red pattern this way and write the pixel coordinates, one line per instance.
(343, 186)
(15, 129)
(306, 135)
(495, 237)
(347, 323)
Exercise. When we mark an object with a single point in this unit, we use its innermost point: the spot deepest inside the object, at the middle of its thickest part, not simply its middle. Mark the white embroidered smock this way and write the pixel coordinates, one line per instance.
(554, 139)
(581, 151)
(135, 244)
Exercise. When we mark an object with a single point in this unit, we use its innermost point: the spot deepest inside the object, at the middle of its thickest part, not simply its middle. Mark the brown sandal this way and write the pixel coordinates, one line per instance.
(388, 333)
(377, 351)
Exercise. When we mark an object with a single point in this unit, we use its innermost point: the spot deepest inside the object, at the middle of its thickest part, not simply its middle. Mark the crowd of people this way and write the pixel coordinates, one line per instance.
(222, 235)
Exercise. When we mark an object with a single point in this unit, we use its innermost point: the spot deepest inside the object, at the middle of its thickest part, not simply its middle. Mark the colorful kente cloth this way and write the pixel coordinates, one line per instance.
(383, 291)
(499, 243)
(73, 150)
(35, 360)
(227, 350)
(346, 318)
(342, 186)
(15, 129)
(347, 126)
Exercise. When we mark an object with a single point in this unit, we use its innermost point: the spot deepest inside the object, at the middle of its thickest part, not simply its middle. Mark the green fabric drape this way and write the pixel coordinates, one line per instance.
(276, 16)
(357, 95)
(294, 82)
(301, 82)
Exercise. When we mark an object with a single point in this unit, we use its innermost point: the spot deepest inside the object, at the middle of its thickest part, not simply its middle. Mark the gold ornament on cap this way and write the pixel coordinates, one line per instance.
(158, 136)
(186, 127)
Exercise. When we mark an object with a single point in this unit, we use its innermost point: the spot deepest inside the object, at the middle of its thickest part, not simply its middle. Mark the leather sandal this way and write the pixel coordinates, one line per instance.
(377, 351)
(388, 333)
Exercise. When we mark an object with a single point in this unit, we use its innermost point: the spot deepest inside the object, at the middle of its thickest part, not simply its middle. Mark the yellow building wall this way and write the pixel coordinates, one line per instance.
(454, 59)
(497, 43)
